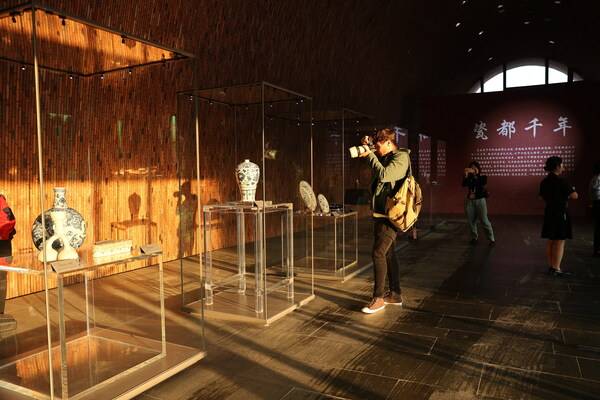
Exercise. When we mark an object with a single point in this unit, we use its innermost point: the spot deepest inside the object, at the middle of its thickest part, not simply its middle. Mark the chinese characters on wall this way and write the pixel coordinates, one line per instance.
(424, 156)
(521, 149)
(509, 128)
(441, 159)
(522, 161)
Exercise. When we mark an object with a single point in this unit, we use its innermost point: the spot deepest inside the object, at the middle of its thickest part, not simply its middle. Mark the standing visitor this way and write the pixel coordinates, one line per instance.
(389, 165)
(475, 203)
(556, 192)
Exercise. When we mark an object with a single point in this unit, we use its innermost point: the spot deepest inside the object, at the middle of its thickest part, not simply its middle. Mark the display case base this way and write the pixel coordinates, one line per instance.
(323, 269)
(230, 305)
(105, 364)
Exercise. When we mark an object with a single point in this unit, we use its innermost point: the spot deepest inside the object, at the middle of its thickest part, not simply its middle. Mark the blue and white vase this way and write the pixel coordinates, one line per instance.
(73, 226)
(247, 175)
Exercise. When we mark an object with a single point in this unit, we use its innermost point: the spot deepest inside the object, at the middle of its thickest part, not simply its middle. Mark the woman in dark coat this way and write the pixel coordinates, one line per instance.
(556, 191)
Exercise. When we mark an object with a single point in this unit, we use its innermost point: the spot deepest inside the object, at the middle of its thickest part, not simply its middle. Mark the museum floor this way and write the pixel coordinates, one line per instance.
(478, 323)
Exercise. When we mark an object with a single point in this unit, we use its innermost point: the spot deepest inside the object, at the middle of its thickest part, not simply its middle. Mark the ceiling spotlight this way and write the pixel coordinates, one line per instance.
(480, 33)
(102, 76)
(526, 22)
(210, 102)
(23, 68)
(457, 24)
(71, 77)
(470, 49)
(500, 5)
(556, 1)
(129, 70)
(551, 42)
(463, 2)
(490, 59)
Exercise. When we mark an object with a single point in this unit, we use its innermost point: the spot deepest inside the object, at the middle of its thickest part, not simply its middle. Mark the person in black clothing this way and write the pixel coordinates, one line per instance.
(556, 191)
(475, 203)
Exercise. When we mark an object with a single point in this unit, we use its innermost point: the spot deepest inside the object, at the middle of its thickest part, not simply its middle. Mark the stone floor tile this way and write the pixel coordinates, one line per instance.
(357, 385)
(505, 383)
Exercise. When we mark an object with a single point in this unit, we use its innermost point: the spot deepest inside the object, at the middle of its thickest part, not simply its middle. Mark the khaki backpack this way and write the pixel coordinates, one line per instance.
(404, 207)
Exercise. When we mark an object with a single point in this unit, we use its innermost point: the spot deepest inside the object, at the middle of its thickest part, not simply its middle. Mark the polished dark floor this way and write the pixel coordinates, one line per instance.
(478, 323)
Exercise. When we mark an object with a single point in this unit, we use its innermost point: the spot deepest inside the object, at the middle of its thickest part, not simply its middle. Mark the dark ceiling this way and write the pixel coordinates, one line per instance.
(451, 58)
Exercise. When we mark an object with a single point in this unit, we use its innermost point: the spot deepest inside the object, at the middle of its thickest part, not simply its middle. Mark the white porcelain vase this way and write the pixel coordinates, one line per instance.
(247, 175)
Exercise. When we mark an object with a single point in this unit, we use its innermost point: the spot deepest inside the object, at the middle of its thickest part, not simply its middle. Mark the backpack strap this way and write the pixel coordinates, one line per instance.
(399, 182)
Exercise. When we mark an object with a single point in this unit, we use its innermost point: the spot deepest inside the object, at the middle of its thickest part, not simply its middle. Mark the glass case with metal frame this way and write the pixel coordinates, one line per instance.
(77, 323)
(242, 258)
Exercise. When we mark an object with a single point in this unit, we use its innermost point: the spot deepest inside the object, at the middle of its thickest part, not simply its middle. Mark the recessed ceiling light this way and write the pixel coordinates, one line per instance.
(469, 49)
(457, 24)
(463, 2)
(490, 59)
(480, 33)
(500, 5)
(551, 41)
(556, 1)
(526, 22)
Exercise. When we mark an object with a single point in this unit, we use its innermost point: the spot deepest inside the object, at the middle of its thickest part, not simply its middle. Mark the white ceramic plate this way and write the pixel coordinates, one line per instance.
(323, 204)
(308, 195)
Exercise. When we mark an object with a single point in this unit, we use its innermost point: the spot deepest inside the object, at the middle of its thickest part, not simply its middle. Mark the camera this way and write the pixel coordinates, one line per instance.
(355, 151)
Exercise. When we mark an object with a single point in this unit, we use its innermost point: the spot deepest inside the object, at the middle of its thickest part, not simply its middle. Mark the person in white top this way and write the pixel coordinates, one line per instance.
(595, 200)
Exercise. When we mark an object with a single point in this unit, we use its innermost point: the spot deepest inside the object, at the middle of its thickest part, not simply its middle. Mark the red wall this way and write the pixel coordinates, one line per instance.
(515, 165)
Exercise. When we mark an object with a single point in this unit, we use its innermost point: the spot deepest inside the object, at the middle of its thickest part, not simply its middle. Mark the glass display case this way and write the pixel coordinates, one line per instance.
(241, 254)
(341, 185)
(84, 317)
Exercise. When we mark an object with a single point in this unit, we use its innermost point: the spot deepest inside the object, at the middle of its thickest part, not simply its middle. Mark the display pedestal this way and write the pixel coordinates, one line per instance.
(271, 293)
(90, 359)
(335, 247)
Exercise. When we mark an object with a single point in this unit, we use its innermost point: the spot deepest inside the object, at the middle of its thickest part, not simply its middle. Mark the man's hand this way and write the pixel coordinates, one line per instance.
(366, 152)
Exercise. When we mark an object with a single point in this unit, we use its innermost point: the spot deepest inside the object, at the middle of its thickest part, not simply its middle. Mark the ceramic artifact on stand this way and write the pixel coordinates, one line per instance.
(247, 175)
(307, 195)
(65, 230)
(323, 204)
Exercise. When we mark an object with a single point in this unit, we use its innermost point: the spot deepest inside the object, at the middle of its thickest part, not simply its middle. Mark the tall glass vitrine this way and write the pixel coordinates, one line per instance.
(243, 152)
(341, 198)
(84, 314)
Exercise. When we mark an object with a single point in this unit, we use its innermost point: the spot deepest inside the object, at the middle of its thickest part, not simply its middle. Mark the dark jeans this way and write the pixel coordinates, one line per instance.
(384, 261)
(596, 212)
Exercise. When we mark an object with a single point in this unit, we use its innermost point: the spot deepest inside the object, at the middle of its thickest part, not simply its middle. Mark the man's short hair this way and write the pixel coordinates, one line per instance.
(386, 134)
